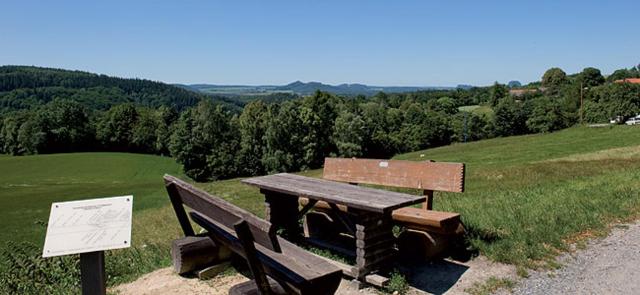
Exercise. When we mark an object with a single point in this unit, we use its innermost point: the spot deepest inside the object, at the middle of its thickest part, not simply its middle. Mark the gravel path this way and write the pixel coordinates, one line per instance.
(606, 266)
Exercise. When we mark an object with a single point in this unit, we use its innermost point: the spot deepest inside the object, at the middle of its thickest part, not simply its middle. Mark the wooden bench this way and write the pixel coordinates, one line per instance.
(423, 224)
(295, 270)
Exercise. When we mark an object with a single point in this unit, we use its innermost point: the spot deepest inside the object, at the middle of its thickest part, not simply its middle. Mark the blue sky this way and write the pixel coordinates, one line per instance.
(276, 42)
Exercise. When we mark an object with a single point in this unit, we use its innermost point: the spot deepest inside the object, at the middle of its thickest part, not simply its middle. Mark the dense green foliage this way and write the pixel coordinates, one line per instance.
(24, 87)
(214, 141)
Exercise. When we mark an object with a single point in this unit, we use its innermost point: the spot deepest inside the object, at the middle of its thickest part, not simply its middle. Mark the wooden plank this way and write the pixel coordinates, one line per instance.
(437, 176)
(364, 198)
(373, 279)
(343, 219)
(416, 216)
(303, 272)
(428, 205)
(376, 280)
(178, 208)
(191, 253)
(309, 205)
(223, 212)
(250, 254)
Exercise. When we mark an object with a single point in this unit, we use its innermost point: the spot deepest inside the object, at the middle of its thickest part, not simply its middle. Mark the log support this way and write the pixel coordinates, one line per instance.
(374, 242)
(195, 253)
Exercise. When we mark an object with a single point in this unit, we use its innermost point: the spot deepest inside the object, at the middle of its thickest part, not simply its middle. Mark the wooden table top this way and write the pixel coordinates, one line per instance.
(364, 198)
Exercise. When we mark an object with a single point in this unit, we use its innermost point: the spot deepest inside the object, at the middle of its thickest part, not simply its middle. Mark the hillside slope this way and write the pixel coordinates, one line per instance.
(28, 185)
(22, 87)
(526, 195)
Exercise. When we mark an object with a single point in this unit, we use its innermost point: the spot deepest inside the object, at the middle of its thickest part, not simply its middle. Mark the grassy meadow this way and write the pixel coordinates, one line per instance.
(526, 196)
(29, 184)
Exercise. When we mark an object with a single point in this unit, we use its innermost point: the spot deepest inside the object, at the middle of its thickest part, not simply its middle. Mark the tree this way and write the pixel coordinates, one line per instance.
(168, 116)
(422, 129)
(514, 84)
(554, 78)
(205, 142)
(349, 133)
(144, 136)
(115, 128)
(497, 92)
(252, 124)
(317, 113)
(611, 100)
(620, 74)
(283, 137)
(509, 118)
(59, 126)
(590, 77)
(546, 116)
(446, 105)
(9, 132)
(469, 126)
(376, 141)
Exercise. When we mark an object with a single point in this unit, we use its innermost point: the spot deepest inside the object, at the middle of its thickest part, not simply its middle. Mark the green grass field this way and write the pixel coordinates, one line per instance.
(30, 183)
(477, 109)
(526, 196)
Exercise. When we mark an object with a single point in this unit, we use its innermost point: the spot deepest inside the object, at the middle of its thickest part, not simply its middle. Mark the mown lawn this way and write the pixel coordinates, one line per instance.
(477, 109)
(29, 184)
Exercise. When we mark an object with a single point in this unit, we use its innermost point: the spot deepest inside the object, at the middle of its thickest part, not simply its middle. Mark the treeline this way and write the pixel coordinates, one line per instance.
(214, 141)
(23, 87)
(67, 126)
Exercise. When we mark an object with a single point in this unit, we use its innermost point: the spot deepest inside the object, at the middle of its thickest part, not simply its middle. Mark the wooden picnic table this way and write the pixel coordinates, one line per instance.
(367, 215)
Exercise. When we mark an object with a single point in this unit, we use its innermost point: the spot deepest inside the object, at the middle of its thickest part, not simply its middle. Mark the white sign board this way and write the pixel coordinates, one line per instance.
(88, 226)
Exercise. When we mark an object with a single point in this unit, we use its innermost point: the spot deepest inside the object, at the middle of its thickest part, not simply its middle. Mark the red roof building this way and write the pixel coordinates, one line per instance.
(629, 80)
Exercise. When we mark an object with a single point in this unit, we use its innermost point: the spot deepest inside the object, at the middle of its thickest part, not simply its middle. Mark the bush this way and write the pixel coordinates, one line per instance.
(28, 273)
(397, 283)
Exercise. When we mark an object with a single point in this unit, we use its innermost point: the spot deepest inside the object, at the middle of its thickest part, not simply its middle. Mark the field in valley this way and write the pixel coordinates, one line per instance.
(525, 196)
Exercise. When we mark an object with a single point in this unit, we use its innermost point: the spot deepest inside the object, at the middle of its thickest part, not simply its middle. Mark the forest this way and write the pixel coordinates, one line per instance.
(54, 111)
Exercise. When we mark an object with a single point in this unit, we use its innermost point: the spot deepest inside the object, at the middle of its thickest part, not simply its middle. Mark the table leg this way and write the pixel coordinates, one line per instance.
(282, 211)
(374, 242)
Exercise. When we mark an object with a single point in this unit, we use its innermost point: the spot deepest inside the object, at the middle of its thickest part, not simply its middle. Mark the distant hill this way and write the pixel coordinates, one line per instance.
(24, 87)
(302, 88)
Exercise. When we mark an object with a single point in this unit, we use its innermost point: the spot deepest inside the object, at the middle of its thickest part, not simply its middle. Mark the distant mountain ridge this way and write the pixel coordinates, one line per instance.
(306, 88)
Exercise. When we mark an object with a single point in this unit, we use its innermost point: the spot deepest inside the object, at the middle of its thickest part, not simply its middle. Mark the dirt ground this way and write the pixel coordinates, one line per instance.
(441, 277)
(605, 266)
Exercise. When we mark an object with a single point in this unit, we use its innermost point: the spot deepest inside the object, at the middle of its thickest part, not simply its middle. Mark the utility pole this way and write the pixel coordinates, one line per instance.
(581, 100)
(465, 127)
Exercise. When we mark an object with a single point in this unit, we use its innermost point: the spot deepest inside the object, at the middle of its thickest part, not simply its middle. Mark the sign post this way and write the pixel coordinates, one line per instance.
(88, 228)
(92, 273)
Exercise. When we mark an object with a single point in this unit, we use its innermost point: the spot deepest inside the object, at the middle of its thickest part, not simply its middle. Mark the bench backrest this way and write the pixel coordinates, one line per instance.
(435, 176)
(218, 210)
(428, 176)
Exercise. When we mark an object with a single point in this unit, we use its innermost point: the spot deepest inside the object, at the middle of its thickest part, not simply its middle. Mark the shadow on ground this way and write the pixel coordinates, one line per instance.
(435, 277)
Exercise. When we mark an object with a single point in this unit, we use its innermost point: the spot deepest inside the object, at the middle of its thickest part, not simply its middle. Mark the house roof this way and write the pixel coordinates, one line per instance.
(629, 80)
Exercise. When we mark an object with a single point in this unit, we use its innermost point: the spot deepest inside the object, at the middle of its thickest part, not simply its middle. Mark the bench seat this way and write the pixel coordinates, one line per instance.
(429, 220)
(410, 217)
(296, 270)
